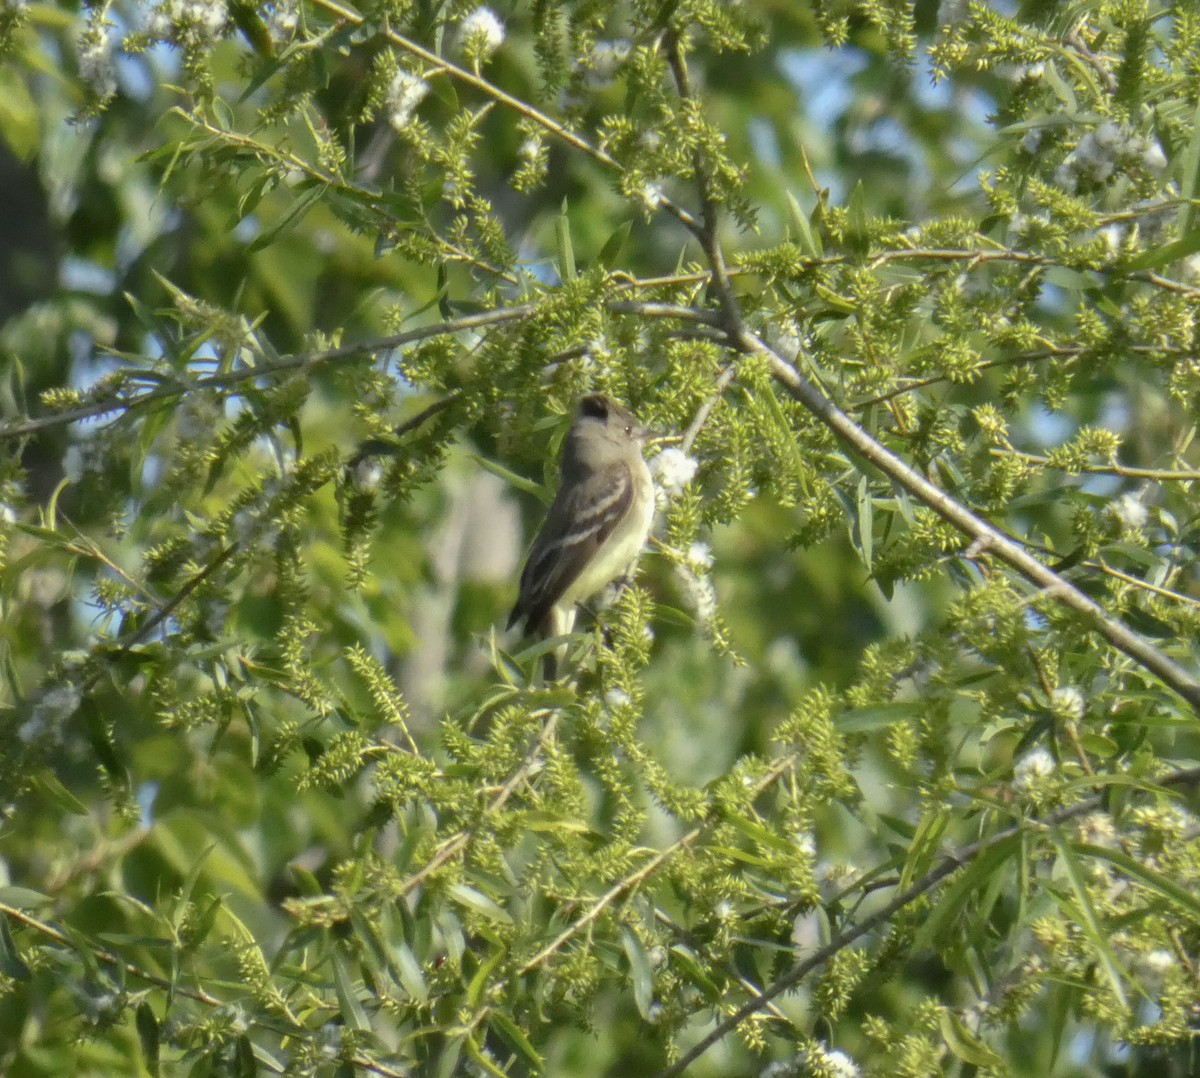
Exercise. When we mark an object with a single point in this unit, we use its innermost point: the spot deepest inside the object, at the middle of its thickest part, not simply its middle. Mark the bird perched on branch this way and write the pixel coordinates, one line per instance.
(597, 524)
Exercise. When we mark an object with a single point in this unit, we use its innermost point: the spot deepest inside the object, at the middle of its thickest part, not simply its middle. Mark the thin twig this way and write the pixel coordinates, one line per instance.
(1133, 581)
(50, 932)
(956, 859)
(310, 360)
(606, 899)
(780, 767)
(705, 410)
(456, 843)
(1162, 475)
(522, 108)
(980, 531)
(377, 447)
(169, 607)
(295, 362)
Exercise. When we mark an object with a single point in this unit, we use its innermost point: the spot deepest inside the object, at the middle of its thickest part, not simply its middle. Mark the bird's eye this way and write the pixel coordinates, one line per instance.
(628, 429)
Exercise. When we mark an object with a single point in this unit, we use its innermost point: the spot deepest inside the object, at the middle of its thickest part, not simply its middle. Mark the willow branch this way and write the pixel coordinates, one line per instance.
(779, 768)
(1161, 475)
(302, 361)
(297, 362)
(458, 842)
(984, 536)
(522, 108)
(954, 860)
(705, 410)
(1066, 351)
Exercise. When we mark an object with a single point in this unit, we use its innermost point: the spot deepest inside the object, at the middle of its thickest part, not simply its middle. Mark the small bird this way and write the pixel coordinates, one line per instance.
(597, 524)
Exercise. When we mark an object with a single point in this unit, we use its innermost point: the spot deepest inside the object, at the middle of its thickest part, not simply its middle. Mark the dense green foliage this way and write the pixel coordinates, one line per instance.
(881, 766)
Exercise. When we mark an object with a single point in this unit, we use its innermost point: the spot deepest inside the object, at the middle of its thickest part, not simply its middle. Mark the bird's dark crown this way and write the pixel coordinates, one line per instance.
(595, 406)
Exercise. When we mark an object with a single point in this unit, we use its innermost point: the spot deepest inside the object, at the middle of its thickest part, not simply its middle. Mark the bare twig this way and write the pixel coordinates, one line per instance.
(705, 410)
(296, 362)
(310, 360)
(1125, 471)
(990, 538)
(956, 859)
(459, 841)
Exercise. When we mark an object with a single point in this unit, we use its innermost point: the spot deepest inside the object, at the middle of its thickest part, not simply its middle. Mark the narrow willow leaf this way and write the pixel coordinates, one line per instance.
(1155, 257)
(411, 976)
(1189, 177)
(639, 971)
(974, 878)
(516, 1040)
(566, 250)
(614, 245)
(147, 1030)
(479, 902)
(352, 1010)
(11, 963)
(964, 1044)
(810, 242)
(924, 845)
(1161, 885)
(48, 783)
(479, 981)
(1087, 911)
(288, 220)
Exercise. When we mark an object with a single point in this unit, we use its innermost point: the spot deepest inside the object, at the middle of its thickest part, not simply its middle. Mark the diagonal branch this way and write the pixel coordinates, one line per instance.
(954, 860)
(309, 360)
(985, 537)
(296, 362)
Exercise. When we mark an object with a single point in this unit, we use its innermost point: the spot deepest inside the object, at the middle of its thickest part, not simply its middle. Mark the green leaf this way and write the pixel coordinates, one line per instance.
(147, 1031)
(614, 245)
(760, 835)
(964, 1044)
(1189, 176)
(1161, 885)
(480, 903)
(1187, 244)
(695, 972)
(483, 1059)
(411, 976)
(975, 877)
(479, 982)
(48, 783)
(639, 971)
(352, 1010)
(1090, 922)
(516, 1040)
(566, 251)
(810, 242)
(245, 1065)
(20, 117)
(11, 963)
(23, 897)
(866, 522)
(924, 845)
(856, 212)
(1063, 91)
(291, 217)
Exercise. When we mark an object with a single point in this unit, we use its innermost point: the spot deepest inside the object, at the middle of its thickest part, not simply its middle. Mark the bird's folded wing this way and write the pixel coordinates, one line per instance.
(581, 518)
